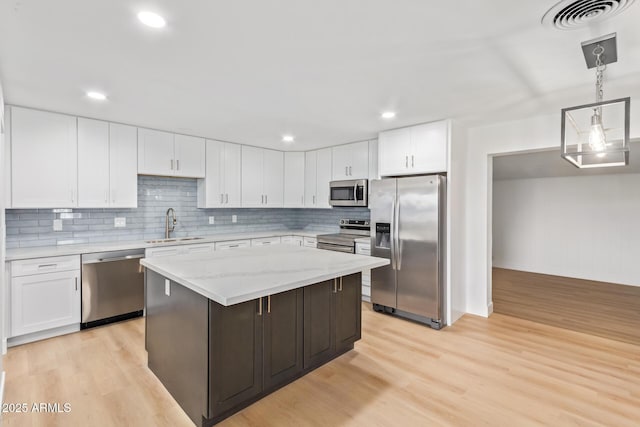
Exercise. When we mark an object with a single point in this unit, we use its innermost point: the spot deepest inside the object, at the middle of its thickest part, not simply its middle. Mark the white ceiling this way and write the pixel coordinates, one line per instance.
(251, 71)
(548, 164)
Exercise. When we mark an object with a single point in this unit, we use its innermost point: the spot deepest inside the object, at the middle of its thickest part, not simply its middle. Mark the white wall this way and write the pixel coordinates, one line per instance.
(2, 242)
(535, 133)
(585, 227)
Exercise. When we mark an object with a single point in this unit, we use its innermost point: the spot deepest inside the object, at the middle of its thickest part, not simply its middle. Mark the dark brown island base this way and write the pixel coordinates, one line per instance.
(215, 360)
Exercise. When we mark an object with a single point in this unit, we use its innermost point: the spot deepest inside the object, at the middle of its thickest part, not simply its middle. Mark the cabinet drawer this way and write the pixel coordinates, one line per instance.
(363, 248)
(198, 249)
(265, 241)
(163, 251)
(310, 242)
(45, 265)
(232, 244)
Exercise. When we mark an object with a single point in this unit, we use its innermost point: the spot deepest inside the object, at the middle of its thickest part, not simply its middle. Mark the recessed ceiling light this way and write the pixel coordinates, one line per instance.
(388, 115)
(151, 19)
(287, 138)
(97, 96)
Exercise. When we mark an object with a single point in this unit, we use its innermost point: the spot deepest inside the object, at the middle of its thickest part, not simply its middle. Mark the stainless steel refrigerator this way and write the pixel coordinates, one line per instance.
(408, 227)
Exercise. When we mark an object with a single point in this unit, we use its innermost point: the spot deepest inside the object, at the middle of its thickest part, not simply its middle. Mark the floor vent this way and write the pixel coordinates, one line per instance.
(574, 14)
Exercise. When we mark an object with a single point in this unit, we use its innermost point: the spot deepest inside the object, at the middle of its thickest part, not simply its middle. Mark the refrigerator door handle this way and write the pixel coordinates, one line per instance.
(397, 237)
(392, 233)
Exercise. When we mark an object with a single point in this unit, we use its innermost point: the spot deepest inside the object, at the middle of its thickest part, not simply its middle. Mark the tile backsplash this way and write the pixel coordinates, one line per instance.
(34, 227)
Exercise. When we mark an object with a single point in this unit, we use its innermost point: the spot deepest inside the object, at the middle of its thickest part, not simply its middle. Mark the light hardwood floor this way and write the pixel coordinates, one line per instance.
(605, 309)
(500, 371)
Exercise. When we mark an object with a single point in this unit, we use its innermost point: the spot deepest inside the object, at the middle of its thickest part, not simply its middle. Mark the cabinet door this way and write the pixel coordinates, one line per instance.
(394, 147)
(293, 179)
(359, 167)
(93, 163)
(273, 178)
(310, 179)
(44, 301)
(319, 323)
(232, 175)
(162, 251)
(232, 244)
(235, 361)
(198, 249)
(155, 152)
(123, 166)
(282, 337)
(252, 194)
(341, 161)
(211, 188)
(323, 174)
(348, 311)
(44, 162)
(429, 142)
(189, 155)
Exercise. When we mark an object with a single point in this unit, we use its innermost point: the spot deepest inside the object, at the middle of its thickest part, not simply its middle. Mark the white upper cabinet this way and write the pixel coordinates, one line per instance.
(351, 161)
(44, 163)
(163, 153)
(317, 176)
(294, 184)
(107, 166)
(93, 163)
(413, 150)
(189, 154)
(123, 166)
(262, 177)
(221, 186)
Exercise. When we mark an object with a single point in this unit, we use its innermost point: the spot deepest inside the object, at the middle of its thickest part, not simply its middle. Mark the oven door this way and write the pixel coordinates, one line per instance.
(348, 193)
(337, 248)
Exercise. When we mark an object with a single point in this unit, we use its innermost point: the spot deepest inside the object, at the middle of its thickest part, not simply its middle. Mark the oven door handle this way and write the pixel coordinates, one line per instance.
(336, 248)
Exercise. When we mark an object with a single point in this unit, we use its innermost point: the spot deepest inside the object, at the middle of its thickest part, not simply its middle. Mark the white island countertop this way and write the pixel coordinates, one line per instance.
(232, 277)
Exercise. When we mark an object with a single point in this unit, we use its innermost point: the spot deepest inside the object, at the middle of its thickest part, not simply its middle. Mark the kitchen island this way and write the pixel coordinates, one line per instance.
(224, 329)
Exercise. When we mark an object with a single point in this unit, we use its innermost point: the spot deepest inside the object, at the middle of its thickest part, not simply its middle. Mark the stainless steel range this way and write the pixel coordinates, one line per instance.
(345, 240)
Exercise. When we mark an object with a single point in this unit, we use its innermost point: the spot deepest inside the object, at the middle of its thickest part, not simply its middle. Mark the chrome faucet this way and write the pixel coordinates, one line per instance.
(168, 229)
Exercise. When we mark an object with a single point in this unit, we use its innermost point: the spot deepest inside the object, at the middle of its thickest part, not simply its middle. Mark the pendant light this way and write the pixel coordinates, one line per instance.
(597, 135)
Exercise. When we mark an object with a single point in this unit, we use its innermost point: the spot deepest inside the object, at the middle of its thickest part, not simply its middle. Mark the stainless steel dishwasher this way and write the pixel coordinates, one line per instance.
(112, 287)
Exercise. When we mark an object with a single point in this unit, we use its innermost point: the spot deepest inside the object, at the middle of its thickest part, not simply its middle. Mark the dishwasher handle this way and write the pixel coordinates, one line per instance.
(122, 258)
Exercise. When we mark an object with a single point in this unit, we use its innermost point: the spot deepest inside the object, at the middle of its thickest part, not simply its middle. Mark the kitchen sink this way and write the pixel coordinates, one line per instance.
(174, 239)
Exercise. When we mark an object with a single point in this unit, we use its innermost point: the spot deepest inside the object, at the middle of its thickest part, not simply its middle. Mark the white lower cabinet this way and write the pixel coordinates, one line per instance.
(265, 241)
(232, 244)
(47, 299)
(164, 251)
(291, 240)
(310, 242)
(365, 249)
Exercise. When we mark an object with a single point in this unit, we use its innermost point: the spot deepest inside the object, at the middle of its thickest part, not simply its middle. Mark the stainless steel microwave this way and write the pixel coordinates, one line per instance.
(352, 192)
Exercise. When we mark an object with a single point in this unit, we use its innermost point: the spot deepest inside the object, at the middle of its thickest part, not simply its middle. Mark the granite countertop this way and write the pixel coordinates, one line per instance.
(61, 250)
(232, 277)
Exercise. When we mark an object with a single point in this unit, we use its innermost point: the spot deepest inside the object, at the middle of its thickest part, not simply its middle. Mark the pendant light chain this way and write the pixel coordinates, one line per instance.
(600, 67)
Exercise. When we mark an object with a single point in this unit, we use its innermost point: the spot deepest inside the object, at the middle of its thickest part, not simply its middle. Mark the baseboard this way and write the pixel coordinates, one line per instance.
(490, 309)
(43, 335)
(1, 391)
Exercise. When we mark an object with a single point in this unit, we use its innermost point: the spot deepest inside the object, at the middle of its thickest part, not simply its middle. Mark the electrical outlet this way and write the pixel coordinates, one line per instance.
(57, 225)
(234, 218)
(120, 222)
(212, 220)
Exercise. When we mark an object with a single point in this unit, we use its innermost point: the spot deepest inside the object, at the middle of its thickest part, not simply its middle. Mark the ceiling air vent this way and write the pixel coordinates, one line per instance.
(573, 14)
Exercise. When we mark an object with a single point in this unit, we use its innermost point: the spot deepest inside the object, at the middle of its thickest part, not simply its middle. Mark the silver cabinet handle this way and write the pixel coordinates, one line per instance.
(302, 199)
(346, 170)
(226, 198)
(47, 265)
(406, 161)
(350, 173)
(314, 199)
(233, 246)
(335, 286)
(266, 199)
(221, 198)
(76, 283)
(171, 164)
(260, 307)
(340, 288)
(113, 196)
(269, 304)
(262, 199)
(412, 160)
(178, 164)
